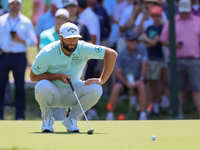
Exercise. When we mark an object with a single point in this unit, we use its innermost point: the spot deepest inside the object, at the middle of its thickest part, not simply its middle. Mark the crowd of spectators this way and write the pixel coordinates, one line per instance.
(137, 29)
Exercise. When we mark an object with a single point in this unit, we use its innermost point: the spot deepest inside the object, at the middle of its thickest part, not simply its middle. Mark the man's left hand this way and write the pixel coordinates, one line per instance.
(92, 81)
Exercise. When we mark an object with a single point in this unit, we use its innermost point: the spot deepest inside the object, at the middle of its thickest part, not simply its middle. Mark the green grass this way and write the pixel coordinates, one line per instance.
(108, 135)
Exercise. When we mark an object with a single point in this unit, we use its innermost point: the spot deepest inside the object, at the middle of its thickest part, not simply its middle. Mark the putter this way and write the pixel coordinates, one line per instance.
(91, 129)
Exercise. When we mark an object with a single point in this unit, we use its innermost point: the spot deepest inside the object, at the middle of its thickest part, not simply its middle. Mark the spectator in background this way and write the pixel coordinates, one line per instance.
(195, 7)
(38, 10)
(16, 33)
(51, 35)
(101, 2)
(115, 19)
(156, 65)
(187, 28)
(46, 20)
(131, 60)
(86, 15)
(94, 66)
(71, 7)
(127, 20)
(94, 70)
(109, 6)
(165, 8)
(7, 97)
(144, 20)
(103, 17)
(129, 15)
(4, 5)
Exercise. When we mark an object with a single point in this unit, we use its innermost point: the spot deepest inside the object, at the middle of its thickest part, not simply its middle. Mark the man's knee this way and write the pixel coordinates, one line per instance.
(44, 86)
(96, 89)
(117, 87)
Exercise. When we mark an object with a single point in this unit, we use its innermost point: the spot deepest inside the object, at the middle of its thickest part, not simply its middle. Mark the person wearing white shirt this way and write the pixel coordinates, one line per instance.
(89, 19)
(144, 20)
(16, 34)
(129, 15)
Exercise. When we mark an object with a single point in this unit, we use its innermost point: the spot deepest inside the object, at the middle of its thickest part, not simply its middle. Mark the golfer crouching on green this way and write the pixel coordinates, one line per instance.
(63, 59)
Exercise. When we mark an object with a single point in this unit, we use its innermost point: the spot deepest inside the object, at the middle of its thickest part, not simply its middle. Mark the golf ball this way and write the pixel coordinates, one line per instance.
(153, 137)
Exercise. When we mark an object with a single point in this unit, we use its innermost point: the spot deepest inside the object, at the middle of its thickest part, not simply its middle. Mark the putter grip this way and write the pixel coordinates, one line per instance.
(70, 83)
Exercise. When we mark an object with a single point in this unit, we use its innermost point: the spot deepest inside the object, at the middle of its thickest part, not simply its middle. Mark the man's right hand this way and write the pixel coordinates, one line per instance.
(179, 46)
(63, 77)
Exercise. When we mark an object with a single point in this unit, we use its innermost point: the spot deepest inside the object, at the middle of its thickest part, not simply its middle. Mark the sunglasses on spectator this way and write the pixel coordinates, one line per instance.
(16, 3)
(62, 18)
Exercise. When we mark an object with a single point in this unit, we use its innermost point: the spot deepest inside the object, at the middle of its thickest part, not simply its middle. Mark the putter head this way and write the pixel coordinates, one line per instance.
(90, 131)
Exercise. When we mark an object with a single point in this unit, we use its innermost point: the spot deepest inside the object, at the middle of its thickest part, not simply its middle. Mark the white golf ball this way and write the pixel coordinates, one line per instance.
(153, 137)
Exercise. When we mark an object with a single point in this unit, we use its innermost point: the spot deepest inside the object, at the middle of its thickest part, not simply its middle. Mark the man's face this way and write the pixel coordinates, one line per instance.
(184, 15)
(157, 18)
(15, 6)
(91, 2)
(69, 44)
(132, 44)
(59, 21)
(72, 9)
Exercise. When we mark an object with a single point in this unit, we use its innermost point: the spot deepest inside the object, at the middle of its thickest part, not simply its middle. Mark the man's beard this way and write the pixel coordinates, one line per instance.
(66, 47)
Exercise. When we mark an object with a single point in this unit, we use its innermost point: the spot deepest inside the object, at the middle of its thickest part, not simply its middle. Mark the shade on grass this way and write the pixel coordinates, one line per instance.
(122, 135)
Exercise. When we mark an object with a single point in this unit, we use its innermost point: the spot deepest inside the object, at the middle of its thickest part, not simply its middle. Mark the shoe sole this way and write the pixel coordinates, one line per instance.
(75, 131)
(46, 130)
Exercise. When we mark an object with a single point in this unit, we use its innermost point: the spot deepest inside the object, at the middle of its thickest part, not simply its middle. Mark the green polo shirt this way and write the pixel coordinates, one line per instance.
(48, 36)
(51, 59)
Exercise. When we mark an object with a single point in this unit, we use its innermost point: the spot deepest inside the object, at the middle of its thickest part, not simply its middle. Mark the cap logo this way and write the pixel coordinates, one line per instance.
(72, 30)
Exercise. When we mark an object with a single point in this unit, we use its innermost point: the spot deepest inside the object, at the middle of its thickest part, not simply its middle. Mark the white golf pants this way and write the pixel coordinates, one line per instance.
(50, 96)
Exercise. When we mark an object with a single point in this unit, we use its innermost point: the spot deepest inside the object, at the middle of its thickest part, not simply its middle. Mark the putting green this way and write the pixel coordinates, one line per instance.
(122, 135)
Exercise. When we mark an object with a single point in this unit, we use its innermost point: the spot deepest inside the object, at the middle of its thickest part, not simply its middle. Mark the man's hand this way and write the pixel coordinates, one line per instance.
(179, 46)
(145, 17)
(92, 81)
(137, 9)
(17, 38)
(63, 78)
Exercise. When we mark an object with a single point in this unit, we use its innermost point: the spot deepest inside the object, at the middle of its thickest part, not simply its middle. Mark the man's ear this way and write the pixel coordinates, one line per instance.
(60, 37)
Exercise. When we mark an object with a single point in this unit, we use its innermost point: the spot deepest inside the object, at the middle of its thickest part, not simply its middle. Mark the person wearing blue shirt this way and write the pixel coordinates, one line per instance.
(45, 21)
(51, 35)
(63, 59)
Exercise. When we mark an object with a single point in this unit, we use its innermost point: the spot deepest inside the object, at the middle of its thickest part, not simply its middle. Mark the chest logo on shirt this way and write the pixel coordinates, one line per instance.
(98, 49)
(75, 58)
(72, 30)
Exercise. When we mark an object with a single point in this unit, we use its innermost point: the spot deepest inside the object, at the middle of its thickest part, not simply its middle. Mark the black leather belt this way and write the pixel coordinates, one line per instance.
(10, 53)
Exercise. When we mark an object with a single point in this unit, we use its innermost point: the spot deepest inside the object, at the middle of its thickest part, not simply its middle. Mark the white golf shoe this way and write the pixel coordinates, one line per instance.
(47, 124)
(70, 124)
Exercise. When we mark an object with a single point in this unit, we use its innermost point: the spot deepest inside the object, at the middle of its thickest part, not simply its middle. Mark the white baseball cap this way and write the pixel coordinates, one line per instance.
(184, 6)
(69, 2)
(10, 1)
(69, 30)
(62, 11)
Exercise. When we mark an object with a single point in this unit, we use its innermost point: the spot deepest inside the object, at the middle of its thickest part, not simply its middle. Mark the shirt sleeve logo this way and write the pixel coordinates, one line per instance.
(98, 49)
(38, 68)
